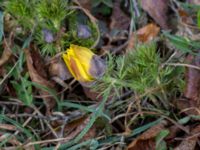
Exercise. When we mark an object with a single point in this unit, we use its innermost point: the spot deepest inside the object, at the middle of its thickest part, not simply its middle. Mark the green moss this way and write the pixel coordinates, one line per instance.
(35, 16)
(22, 11)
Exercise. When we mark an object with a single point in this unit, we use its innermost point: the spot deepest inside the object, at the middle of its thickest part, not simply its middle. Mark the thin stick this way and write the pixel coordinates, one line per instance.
(48, 141)
(7, 75)
(184, 65)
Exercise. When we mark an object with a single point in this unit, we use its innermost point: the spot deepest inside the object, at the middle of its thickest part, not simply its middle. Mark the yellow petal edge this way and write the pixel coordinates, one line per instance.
(78, 61)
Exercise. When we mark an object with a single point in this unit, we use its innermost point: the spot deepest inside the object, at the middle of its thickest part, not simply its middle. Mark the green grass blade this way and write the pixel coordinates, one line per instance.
(1, 25)
(20, 127)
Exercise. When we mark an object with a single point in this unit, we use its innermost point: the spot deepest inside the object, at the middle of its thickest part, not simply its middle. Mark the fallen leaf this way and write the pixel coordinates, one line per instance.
(57, 68)
(148, 33)
(119, 20)
(93, 95)
(38, 62)
(144, 34)
(190, 104)
(188, 107)
(185, 17)
(7, 53)
(190, 142)
(192, 90)
(37, 78)
(87, 4)
(146, 141)
(174, 130)
(13, 140)
(186, 145)
(132, 41)
(195, 2)
(116, 42)
(76, 127)
(8, 127)
(157, 9)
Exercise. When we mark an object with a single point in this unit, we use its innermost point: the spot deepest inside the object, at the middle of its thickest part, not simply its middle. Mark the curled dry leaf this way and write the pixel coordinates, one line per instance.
(185, 17)
(186, 145)
(93, 95)
(148, 33)
(37, 78)
(174, 130)
(157, 9)
(77, 126)
(59, 72)
(13, 140)
(196, 2)
(189, 143)
(57, 68)
(191, 104)
(119, 20)
(86, 4)
(7, 53)
(192, 90)
(8, 127)
(147, 139)
(144, 34)
(38, 62)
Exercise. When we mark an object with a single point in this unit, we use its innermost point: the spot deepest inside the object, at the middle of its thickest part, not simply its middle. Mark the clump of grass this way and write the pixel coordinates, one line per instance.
(33, 17)
(142, 72)
(22, 11)
(53, 12)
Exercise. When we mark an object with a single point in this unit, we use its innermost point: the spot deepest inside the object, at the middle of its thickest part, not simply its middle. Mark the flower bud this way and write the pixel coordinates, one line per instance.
(83, 64)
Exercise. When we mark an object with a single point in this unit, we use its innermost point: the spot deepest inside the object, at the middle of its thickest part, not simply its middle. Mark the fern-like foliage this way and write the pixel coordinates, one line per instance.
(22, 11)
(141, 71)
(53, 11)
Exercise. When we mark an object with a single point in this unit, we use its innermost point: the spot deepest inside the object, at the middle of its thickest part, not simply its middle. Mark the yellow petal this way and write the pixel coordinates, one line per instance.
(83, 54)
(78, 60)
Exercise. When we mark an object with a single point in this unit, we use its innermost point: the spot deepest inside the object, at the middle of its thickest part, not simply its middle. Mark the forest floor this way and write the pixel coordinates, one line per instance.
(100, 74)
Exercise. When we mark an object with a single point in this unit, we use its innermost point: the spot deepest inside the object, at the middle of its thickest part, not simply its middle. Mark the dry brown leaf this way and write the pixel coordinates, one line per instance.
(87, 4)
(7, 53)
(148, 33)
(190, 142)
(5, 56)
(144, 34)
(185, 17)
(92, 94)
(13, 140)
(192, 90)
(37, 78)
(186, 145)
(157, 9)
(77, 126)
(8, 127)
(119, 20)
(196, 2)
(146, 141)
(174, 130)
(188, 107)
(132, 41)
(191, 105)
(57, 68)
(38, 62)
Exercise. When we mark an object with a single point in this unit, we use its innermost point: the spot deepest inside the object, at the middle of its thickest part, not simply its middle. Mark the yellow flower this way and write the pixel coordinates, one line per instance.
(83, 64)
